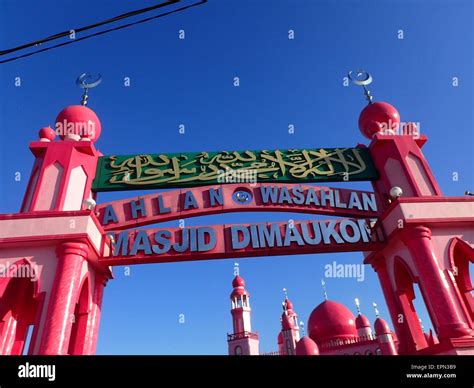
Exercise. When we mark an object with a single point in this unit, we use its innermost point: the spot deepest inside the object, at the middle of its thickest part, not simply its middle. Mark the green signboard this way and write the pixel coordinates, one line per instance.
(154, 171)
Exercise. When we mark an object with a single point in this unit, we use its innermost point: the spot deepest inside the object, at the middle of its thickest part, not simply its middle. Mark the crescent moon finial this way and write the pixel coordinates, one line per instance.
(362, 78)
(87, 81)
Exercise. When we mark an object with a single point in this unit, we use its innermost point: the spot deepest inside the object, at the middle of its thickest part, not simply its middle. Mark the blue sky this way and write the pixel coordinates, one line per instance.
(282, 82)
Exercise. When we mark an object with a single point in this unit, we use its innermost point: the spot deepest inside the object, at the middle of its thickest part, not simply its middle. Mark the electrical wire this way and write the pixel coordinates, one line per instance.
(90, 26)
(120, 17)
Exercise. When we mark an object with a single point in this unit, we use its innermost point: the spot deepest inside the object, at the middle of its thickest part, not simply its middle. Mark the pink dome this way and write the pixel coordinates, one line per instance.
(238, 291)
(238, 282)
(381, 326)
(306, 347)
(331, 320)
(362, 321)
(377, 117)
(47, 134)
(289, 305)
(80, 121)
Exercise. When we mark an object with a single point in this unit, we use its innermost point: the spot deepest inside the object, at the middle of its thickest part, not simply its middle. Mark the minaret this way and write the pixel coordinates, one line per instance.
(362, 323)
(384, 335)
(421, 248)
(242, 341)
(56, 230)
(61, 180)
(289, 327)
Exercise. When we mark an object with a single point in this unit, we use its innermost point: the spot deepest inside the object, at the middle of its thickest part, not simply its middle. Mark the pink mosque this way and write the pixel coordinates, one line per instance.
(332, 330)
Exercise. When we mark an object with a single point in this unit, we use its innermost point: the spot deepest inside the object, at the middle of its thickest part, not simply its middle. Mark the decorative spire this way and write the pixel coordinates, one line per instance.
(323, 284)
(87, 81)
(362, 78)
(357, 303)
(377, 314)
(285, 307)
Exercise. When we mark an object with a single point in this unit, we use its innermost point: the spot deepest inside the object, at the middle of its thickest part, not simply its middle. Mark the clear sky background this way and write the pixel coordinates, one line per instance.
(282, 82)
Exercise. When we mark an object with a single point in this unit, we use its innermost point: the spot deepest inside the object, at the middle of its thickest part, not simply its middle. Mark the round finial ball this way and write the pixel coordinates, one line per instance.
(47, 134)
(379, 117)
(78, 122)
(396, 192)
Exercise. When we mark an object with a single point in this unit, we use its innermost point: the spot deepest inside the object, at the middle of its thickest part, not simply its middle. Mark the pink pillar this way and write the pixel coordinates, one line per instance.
(94, 315)
(57, 330)
(443, 300)
(408, 329)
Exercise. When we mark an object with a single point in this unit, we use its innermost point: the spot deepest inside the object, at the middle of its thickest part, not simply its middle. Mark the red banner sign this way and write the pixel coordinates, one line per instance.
(241, 240)
(199, 201)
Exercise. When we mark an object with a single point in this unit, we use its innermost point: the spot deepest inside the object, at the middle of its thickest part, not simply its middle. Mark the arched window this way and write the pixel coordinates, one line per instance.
(378, 352)
(79, 327)
(407, 290)
(238, 351)
(369, 353)
(356, 354)
(19, 303)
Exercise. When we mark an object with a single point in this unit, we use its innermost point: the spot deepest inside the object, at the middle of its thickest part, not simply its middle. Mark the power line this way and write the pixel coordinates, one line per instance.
(128, 14)
(90, 26)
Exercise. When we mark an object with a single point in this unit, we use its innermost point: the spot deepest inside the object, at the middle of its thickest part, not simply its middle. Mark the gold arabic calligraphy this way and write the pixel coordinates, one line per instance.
(205, 167)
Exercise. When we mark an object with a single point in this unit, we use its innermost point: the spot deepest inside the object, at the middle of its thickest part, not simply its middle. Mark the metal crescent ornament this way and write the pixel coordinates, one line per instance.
(362, 78)
(88, 80)
(356, 79)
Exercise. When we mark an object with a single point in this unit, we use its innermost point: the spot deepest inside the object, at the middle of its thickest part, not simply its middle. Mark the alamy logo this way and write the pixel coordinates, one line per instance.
(237, 176)
(37, 371)
(82, 129)
(19, 270)
(401, 128)
(335, 270)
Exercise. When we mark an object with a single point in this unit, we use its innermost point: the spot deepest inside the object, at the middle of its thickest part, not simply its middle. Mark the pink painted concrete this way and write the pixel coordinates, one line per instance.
(70, 155)
(450, 323)
(64, 295)
(94, 315)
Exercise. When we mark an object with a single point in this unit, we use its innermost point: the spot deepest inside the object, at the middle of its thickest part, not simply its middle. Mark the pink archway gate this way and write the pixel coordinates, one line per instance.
(71, 247)
(242, 240)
